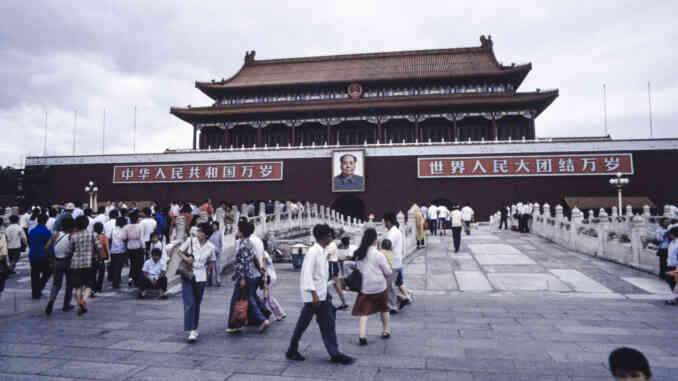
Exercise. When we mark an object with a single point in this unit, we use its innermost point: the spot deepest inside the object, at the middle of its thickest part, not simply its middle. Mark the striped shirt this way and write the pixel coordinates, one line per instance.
(83, 244)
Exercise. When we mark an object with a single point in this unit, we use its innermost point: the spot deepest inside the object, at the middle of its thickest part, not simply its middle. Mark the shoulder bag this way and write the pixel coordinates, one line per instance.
(354, 281)
(185, 269)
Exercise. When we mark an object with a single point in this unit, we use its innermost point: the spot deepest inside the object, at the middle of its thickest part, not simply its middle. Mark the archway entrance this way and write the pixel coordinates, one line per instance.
(350, 205)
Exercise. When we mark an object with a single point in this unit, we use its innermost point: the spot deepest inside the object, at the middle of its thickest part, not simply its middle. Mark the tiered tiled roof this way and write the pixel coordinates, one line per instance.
(372, 67)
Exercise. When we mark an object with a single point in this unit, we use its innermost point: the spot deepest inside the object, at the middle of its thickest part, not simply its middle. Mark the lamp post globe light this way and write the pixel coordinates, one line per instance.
(92, 190)
(619, 182)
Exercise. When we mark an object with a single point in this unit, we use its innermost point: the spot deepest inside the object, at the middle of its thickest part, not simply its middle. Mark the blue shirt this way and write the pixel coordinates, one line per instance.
(662, 238)
(37, 239)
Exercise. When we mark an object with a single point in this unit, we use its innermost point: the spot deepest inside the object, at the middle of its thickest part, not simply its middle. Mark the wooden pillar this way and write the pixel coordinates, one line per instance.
(455, 129)
(380, 132)
(532, 132)
(328, 139)
(494, 131)
(294, 136)
(260, 137)
(195, 133)
(226, 137)
(418, 136)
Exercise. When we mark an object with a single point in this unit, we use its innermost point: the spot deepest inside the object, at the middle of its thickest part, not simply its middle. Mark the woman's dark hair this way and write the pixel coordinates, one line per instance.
(52, 212)
(98, 227)
(67, 224)
(35, 213)
(13, 219)
(245, 228)
(345, 241)
(81, 222)
(386, 244)
(205, 228)
(113, 214)
(42, 219)
(186, 209)
(156, 252)
(134, 217)
(88, 212)
(120, 222)
(390, 217)
(369, 237)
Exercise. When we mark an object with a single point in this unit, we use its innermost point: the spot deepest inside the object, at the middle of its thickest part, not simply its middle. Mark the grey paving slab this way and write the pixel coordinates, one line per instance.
(149, 346)
(92, 370)
(170, 374)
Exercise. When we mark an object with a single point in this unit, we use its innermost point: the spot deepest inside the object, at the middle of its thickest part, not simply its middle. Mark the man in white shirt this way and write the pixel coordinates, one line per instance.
(456, 223)
(443, 217)
(110, 224)
(333, 263)
(16, 237)
(148, 225)
(313, 287)
(467, 217)
(433, 219)
(396, 237)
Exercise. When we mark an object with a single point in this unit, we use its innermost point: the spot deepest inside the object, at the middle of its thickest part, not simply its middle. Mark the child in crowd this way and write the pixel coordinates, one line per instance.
(154, 275)
(387, 251)
(271, 278)
(333, 262)
(629, 364)
(157, 243)
(105, 256)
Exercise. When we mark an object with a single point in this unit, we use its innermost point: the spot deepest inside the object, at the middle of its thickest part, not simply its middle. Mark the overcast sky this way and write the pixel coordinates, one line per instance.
(57, 57)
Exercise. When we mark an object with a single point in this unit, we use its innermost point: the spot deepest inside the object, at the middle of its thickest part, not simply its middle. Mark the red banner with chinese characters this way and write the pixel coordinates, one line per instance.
(514, 166)
(190, 173)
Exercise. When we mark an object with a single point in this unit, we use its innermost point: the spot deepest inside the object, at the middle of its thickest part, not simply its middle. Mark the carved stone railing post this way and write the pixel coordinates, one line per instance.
(277, 209)
(636, 239)
(180, 222)
(603, 229)
(243, 211)
(576, 219)
(400, 217)
(667, 211)
(262, 219)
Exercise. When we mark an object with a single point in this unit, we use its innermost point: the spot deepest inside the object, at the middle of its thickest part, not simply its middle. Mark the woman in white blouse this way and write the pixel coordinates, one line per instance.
(373, 296)
(200, 254)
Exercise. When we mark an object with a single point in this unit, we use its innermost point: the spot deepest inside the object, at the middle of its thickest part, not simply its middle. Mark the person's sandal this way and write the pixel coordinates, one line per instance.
(386, 335)
(362, 341)
(263, 326)
(671, 302)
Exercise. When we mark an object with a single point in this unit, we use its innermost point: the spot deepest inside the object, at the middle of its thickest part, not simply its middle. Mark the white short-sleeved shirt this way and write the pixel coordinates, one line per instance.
(396, 237)
(147, 227)
(348, 252)
(332, 252)
(50, 224)
(154, 269)
(258, 245)
(270, 269)
(467, 213)
(455, 218)
(432, 212)
(201, 255)
(443, 212)
(314, 274)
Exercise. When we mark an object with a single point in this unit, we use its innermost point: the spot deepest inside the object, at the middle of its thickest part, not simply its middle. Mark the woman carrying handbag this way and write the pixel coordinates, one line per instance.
(196, 253)
(373, 296)
(247, 270)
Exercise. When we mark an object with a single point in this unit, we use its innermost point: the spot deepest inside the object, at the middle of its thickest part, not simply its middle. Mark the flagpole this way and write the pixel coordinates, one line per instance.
(103, 135)
(44, 149)
(134, 137)
(605, 107)
(75, 123)
(649, 103)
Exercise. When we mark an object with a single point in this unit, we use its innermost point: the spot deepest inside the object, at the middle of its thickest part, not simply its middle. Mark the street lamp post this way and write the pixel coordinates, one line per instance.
(619, 182)
(92, 189)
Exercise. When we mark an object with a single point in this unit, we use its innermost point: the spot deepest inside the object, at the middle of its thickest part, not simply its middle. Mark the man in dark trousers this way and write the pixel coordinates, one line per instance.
(40, 270)
(317, 301)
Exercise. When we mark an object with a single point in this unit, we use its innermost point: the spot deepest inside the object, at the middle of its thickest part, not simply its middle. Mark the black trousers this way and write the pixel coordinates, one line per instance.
(145, 284)
(662, 254)
(503, 222)
(136, 262)
(14, 255)
(101, 273)
(117, 260)
(40, 273)
(433, 226)
(456, 237)
(324, 316)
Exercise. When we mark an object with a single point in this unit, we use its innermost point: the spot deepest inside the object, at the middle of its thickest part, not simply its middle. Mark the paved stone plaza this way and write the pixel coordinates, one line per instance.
(508, 306)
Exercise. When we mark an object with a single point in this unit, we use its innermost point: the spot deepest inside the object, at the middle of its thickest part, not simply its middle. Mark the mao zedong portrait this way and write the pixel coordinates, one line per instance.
(347, 180)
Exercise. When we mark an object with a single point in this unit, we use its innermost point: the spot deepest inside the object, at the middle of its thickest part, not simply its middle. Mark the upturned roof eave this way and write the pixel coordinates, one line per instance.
(216, 89)
(541, 100)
